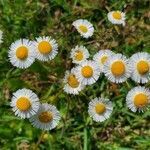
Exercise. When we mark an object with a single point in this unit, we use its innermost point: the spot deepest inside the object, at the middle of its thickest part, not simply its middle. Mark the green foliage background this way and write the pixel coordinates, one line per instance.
(32, 18)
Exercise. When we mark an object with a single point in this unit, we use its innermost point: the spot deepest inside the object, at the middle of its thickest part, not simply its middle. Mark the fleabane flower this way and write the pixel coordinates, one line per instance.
(46, 48)
(100, 109)
(1, 36)
(140, 64)
(47, 117)
(138, 99)
(117, 68)
(22, 53)
(84, 27)
(71, 83)
(24, 103)
(116, 17)
(101, 57)
(87, 72)
(79, 54)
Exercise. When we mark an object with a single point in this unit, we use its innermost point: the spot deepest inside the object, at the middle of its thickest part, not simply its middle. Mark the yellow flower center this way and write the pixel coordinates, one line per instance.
(45, 47)
(118, 68)
(45, 117)
(100, 108)
(117, 15)
(23, 104)
(143, 67)
(72, 81)
(83, 28)
(104, 59)
(79, 55)
(22, 52)
(140, 100)
(87, 71)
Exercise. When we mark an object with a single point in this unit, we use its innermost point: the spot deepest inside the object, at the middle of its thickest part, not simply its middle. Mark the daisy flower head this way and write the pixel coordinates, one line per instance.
(140, 64)
(71, 83)
(21, 53)
(47, 117)
(1, 36)
(101, 57)
(117, 68)
(46, 48)
(87, 72)
(79, 54)
(24, 103)
(138, 99)
(84, 27)
(116, 17)
(100, 109)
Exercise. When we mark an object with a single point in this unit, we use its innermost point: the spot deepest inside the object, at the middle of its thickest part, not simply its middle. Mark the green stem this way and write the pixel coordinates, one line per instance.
(85, 139)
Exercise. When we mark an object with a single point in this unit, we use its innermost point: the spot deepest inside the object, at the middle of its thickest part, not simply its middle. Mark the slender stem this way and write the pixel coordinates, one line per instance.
(66, 116)
(128, 85)
(117, 29)
(39, 140)
(85, 139)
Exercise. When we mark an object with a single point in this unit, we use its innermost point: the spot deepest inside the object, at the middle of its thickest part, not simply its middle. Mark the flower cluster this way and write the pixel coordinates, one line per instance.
(116, 67)
(26, 104)
(23, 52)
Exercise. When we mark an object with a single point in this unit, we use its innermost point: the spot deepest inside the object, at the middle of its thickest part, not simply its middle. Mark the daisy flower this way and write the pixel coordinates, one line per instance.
(72, 85)
(116, 17)
(46, 118)
(84, 27)
(46, 48)
(117, 68)
(138, 99)
(21, 53)
(1, 36)
(79, 54)
(101, 57)
(87, 72)
(100, 109)
(140, 64)
(24, 103)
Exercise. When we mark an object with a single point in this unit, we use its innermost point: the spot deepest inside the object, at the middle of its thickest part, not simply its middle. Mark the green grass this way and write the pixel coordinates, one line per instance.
(28, 19)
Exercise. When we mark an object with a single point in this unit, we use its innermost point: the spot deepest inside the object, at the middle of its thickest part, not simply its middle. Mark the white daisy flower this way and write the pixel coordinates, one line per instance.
(102, 56)
(138, 99)
(87, 72)
(72, 85)
(24, 103)
(47, 118)
(140, 64)
(117, 68)
(84, 27)
(1, 36)
(46, 48)
(79, 54)
(100, 109)
(116, 17)
(21, 53)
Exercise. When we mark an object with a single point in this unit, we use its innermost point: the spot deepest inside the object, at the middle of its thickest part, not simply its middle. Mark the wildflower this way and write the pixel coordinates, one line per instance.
(46, 48)
(101, 57)
(46, 118)
(21, 53)
(100, 109)
(25, 103)
(116, 17)
(140, 64)
(138, 99)
(117, 68)
(88, 72)
(72, 85)
(84, 27)
(79, 54)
